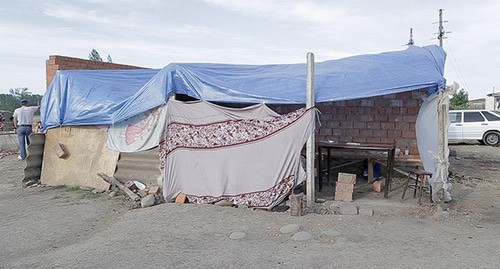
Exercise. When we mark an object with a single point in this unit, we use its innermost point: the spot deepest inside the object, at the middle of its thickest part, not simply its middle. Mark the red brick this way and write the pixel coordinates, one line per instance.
(181, 198)
(353, 117)
(411, 103)
(387, 125)
(346, 125)
(373, 140)
(381, 118)
(374, 125)
(366, 133)
(378, 186)
(353, 103)
(381, 102)
(325, 131)
(409, 134)
(403, 126)
(404, 95)
(368, 118)
(359, 125)
(380, 133)
(394, 133)
(410, 118)
(387, 140)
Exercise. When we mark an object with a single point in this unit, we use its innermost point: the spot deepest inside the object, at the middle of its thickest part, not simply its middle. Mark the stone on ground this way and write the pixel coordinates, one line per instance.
(237, 235)
(331, 232)
(365, 211)
(348, 209)
(148, 201)
(290, 228)
(223, 203)
(302, 236)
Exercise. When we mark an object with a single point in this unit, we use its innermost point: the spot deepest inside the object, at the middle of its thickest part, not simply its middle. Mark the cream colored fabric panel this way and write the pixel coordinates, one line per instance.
(87, 156)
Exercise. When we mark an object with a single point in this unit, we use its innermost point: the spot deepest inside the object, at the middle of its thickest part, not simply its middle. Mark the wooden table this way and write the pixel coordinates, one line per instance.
(367, 148)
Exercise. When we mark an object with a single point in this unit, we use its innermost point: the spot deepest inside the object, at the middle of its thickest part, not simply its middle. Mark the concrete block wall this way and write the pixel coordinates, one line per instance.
(383, 119)
(56, 62)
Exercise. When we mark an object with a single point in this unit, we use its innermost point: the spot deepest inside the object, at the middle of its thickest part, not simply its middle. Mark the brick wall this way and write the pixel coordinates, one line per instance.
(384, 119)
(56, 62)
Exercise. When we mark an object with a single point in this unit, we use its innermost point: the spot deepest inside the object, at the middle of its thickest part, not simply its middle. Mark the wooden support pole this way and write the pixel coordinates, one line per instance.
(310, 146)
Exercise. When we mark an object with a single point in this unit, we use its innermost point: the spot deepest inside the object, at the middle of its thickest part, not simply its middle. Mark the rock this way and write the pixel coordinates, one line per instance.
(237, 235)
(302, 236)
(348, 209)
(366, 211)
(98, 190)
(148, 201)
(86, 188)
(453, 152)
(335, 206)
(331, 232)
(112, 194)
(223, 203)
(290, 228)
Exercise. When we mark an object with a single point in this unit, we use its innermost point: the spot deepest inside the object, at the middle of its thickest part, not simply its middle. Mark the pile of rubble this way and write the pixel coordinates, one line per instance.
(141, 195)
(7, 152)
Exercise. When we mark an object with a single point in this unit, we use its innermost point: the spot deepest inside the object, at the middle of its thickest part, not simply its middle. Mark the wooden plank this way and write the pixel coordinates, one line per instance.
(114, 181)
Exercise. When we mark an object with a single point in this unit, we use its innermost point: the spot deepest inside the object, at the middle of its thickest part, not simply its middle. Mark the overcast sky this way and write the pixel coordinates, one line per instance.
(154, 33)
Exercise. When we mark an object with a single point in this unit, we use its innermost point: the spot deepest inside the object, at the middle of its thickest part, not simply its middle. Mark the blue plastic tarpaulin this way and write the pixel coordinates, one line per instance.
(89, 97)
(86, 98)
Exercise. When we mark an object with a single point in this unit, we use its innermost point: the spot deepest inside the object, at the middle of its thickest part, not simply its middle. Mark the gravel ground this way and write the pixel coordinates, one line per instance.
(61, 227)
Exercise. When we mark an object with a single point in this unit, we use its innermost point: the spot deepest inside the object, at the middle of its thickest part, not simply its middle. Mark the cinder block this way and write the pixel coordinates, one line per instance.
(344, 187)
(346, 178)
(343, 196)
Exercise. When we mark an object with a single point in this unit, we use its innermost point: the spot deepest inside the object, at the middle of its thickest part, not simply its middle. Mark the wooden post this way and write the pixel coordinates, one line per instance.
(310, 146)
(296, 205)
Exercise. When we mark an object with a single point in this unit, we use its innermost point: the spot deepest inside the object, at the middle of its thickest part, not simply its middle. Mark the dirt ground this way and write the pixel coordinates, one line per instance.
(65, 227)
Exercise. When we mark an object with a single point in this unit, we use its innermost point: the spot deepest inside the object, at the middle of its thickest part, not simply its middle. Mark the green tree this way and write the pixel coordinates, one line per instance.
(94, 56)
(459, 100)
(19, 93)
(9, 102)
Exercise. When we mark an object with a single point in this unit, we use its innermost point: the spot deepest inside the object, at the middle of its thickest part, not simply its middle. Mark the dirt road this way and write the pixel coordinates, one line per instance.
(50, 227)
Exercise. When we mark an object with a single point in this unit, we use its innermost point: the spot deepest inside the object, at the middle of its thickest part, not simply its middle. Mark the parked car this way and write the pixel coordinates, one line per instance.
(481, 125)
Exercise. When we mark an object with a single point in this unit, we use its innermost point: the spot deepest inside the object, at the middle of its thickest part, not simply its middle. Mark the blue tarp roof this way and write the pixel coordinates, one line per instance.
(88, 97)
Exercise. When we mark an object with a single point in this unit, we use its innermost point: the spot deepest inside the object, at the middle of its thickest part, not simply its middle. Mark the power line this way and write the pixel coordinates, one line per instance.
(456, 67)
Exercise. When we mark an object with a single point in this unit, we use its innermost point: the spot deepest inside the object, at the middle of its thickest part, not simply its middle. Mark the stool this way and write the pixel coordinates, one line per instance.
(421, 177)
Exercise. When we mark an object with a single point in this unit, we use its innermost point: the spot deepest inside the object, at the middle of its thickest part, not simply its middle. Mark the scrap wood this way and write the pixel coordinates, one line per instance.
(114, 181)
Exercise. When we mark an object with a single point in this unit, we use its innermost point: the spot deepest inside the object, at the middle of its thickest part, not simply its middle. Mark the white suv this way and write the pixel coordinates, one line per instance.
(481, 125)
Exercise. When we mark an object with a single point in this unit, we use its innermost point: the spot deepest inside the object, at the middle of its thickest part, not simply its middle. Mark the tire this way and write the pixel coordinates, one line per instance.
(492, 138)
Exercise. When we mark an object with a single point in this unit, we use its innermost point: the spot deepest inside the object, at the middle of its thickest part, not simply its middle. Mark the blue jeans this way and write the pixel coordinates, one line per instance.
(23, 135)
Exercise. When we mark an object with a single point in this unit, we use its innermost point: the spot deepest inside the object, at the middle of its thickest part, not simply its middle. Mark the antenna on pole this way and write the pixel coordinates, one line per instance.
(441, 32)
(411, 41)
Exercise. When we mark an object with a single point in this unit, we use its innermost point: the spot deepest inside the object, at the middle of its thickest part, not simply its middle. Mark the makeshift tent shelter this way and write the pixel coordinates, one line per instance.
(111, 96)
(66, 102)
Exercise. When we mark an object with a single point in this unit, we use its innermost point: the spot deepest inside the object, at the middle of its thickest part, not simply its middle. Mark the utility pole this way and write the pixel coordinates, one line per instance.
(441, 33)
(442, 165)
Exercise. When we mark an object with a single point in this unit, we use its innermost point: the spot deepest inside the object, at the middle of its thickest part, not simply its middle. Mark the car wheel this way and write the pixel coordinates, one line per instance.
(492, 139)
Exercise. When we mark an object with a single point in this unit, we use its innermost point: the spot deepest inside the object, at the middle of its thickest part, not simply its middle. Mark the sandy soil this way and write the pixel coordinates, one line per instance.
(60, 227)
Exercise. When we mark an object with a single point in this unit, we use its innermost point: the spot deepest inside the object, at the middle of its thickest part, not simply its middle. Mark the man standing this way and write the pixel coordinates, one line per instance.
(23, 120)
